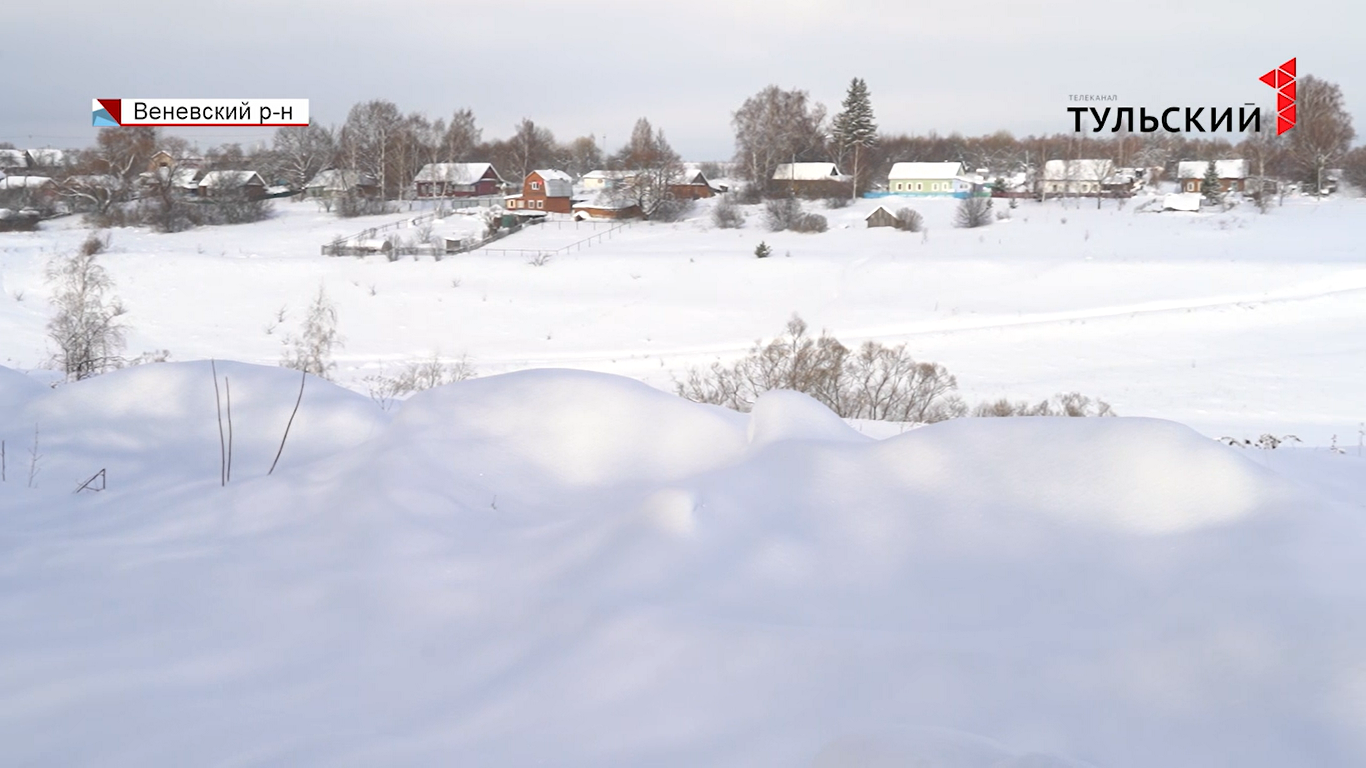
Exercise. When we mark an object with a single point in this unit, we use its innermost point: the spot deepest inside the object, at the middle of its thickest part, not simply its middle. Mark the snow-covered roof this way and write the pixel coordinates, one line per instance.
(881, 208)
(454, 173)
(231, 178)
(1078, 170)
(338, 180)
(552, 175)
(102, 180)
(694, 177)
(46, 156)
(13, 158)
(946, 170)
(609, 175)
(1227, 169)
(24, 182)
(808, 172)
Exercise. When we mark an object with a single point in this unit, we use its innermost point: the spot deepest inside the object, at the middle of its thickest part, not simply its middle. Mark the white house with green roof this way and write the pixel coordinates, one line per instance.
(929, 180)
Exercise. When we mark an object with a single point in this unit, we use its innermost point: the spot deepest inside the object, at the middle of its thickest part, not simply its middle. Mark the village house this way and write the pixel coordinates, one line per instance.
(337, 182)
(543, 191)
(604, 205)
(247, 183)
(20, 192)
(919, 179)
(1190, 174)
(457, 180)
(1084, 178)
(693, 185)
(811, 179)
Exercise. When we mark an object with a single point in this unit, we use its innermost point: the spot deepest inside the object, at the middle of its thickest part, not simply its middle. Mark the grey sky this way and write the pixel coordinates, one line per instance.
(594, 66)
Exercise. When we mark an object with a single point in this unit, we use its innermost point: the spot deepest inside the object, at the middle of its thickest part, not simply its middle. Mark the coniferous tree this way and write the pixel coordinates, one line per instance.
(1211, 187)
(854, 127)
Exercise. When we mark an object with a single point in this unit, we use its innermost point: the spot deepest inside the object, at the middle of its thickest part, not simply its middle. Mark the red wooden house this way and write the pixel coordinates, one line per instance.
(543, 191)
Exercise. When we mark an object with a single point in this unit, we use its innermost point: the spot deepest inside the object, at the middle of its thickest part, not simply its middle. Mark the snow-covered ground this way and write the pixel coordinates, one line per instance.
(1234, 323)
(574, 568)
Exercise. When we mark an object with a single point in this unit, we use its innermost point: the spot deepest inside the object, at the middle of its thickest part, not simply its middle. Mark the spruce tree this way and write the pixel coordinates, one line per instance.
(854, 127)
(1211, 187)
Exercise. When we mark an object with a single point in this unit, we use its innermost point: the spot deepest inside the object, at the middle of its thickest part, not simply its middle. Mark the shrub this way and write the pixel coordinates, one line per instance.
(779, 214)
(672, 209)
(416, 377)
(762, 250)
(874, 382)
(973, 212)
(809, 222)
(352, 204)
(1062, 404)
(836, 202)
(94, 244)
(726, 214)
(910, 220)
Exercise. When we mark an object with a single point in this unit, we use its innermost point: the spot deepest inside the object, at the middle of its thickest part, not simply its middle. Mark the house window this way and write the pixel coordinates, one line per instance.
(920, 186)
(540, 203)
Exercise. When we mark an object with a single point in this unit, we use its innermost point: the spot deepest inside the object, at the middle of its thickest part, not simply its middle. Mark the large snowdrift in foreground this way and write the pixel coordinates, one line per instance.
(574, 569)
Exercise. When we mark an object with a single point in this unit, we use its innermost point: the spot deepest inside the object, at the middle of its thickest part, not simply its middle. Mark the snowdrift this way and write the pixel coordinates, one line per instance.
(558, 567)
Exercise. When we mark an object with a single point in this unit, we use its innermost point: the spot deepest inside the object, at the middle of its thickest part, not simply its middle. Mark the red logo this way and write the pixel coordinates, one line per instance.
(1282, 79)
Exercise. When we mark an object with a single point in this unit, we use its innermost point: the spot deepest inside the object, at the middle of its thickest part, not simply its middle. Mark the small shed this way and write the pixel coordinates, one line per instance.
(881, 217)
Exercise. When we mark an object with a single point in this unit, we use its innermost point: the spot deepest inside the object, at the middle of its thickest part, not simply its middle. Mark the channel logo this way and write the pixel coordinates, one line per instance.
(1282, 78)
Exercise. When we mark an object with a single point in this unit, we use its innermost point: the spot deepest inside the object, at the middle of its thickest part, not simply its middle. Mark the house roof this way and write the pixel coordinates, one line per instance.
(808, 172)
(231, 178)
(46, 156)
(1078, 170)
(103, 180)
(947, 170)
(552, 175)
(24, 182)
(1227, 169)
(609, 175)
(694, 177)
(877, 210)
(455, 173)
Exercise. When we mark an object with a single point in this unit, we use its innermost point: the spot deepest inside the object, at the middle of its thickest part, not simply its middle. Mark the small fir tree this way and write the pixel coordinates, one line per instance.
(1211, 187)
(763, 251)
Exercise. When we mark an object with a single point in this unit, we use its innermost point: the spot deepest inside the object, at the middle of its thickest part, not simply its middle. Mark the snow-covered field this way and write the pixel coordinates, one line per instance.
(574, 568)
(1234, 323)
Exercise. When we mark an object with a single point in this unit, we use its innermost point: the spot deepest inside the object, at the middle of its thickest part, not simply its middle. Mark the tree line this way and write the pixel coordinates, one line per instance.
(774, 126)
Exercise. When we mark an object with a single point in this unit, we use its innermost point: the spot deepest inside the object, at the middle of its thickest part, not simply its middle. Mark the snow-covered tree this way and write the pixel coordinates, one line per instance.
(775, 126)
(650, 166)
(1210, 186)
(1323, 130)
(86, 326)
(311, 350)
(854, 128)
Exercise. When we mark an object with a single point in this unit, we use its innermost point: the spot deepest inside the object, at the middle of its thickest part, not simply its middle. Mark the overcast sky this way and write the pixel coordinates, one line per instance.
(594, 66)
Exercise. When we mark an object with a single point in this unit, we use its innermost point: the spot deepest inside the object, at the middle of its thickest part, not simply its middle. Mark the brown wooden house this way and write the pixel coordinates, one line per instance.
(457, 180)
(543, 191)
(693, 186)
